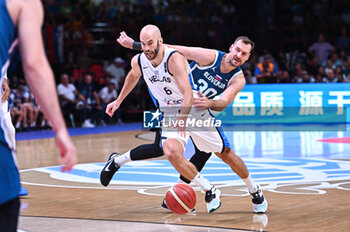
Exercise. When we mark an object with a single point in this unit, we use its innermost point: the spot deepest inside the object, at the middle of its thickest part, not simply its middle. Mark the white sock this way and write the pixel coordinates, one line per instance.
(122, 159)
(202, 182)
(252, 187)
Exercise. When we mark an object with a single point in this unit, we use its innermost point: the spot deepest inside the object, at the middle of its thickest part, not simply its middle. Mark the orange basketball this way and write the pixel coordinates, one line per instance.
(180, 199)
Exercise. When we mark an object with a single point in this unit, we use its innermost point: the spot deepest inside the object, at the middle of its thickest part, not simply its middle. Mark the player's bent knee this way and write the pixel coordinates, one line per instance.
(172, 151)
(172, 157)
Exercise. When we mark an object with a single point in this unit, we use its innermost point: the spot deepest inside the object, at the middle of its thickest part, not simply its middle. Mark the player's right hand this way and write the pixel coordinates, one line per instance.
(125, 40)
(67, 150)
(112, 107)
(201, 102)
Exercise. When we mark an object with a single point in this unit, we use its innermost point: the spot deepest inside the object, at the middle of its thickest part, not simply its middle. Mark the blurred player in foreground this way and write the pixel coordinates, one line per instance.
(25, 18)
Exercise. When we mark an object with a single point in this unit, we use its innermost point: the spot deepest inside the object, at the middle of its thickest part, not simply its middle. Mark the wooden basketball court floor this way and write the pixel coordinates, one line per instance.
(305, 176)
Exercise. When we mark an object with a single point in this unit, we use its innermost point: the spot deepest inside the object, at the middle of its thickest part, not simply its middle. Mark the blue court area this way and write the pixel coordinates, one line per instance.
(272, 121)
(287, 134)
(265, 171)
(272, 157)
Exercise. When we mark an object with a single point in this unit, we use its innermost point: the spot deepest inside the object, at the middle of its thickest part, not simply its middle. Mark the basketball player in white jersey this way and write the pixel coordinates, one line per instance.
(166, 73)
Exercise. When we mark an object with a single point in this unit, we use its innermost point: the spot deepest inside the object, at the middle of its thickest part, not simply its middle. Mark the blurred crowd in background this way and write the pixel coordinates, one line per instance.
(297, 41)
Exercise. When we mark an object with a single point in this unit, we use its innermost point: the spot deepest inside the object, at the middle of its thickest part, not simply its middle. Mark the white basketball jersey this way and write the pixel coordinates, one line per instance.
(160, 81)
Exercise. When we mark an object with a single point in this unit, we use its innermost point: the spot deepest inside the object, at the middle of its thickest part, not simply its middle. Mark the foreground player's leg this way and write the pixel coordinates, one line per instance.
(116, 160)
(173, 151)
(9, 212)
(238, 166)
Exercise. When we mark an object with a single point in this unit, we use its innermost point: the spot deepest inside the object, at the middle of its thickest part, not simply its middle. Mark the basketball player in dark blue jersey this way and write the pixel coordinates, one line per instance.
(24, 19)
(214, 72)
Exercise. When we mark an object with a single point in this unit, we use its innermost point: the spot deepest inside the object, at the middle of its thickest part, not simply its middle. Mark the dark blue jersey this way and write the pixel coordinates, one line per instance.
(209, 80)
(9, 177)
(7, 35)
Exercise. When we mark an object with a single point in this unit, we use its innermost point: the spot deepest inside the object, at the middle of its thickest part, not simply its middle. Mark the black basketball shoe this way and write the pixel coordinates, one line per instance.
(109, 169)
(212, 198)
(259, 201)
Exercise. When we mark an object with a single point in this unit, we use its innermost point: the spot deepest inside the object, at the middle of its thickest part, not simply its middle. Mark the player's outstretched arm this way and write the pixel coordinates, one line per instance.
(226, 98)
(40, 78)
(202, 56)
(131, 80)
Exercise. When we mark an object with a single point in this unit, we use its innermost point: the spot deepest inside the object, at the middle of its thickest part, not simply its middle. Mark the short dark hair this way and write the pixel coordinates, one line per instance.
(246, 40)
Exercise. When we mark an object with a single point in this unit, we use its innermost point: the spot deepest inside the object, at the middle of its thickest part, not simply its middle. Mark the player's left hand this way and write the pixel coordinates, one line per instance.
(6, 91)
(201, 102)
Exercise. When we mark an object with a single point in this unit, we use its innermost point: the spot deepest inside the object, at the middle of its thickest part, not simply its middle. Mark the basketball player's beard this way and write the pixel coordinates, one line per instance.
(154, 52)
(233, 61)
(230, 62)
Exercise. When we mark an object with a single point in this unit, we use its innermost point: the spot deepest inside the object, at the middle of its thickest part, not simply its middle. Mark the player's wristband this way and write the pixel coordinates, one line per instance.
(136, 46)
